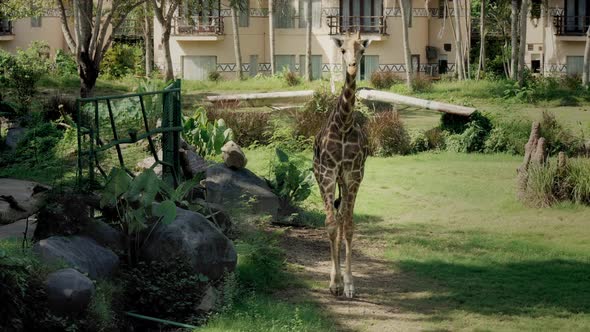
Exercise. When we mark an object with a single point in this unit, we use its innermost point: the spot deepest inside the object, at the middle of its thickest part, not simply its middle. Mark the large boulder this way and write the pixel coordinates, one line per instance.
(191, 163)
(233, 156)
(68, 291)
(20, 199)
(79, 252)
(193, 237)
(216, 214)
(240, 190)
(104, 235)
(148, 162)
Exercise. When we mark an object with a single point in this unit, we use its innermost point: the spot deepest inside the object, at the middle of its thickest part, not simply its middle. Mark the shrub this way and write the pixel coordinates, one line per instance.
(214, 76)
(578, 180)
(471, 140)
(59, 105)
(291, 180)
(38, 143)
(559, 138)
(454, 124)
(260, 267)
(167, 290)
(291, 77)
(314, 113)
(421, 83)
(65, 64)
(207, 137)
(508, 136)
(418, 142)
(121, 60)
(24, 71)
(384, 80)
(248, 127)
(436, 138)
(387, 134)
(514, 90)
(541, 185)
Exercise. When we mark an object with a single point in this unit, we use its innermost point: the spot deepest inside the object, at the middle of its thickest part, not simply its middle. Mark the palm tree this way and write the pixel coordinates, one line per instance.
(271, 35)
(236, 32)
(308, 75)
(482, 42)
(459, 66)
(148, 22)
(522, 45)
(514, 40)
(405, 6)
(585, 78)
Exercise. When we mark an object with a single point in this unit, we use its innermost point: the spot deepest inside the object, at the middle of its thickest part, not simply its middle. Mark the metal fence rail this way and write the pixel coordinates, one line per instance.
(90, 142)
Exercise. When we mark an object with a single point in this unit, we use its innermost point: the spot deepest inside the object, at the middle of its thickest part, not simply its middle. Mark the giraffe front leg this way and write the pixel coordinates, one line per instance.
(348, 201)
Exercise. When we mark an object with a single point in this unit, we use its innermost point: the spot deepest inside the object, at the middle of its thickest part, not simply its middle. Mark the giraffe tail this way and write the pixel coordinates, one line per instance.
(339, 199)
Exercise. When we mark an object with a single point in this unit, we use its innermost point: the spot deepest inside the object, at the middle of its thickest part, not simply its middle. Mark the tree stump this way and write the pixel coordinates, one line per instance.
(534, 153)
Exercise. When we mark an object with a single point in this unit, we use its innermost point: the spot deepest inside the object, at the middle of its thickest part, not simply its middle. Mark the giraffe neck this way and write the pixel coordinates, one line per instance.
(344, 113)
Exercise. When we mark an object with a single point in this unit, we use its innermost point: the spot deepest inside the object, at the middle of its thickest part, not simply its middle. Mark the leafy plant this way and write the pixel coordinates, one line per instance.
(214, 76)
(388, 135)
(514, 90)
(247, 127)
(384, 80)
(290, 77)
(121, 60)
(207, 137)
(291, 181)
(134, 198)
(65, 64)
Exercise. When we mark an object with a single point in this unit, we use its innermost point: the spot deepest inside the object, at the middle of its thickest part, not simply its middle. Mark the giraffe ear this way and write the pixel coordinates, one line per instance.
(338, 42)
(366, 42)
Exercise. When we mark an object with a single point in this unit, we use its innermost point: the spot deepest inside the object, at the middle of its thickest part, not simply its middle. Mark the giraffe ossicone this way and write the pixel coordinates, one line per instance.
(340, 151)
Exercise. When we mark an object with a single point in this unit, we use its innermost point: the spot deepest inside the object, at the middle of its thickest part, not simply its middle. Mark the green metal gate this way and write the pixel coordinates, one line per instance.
(91, 131)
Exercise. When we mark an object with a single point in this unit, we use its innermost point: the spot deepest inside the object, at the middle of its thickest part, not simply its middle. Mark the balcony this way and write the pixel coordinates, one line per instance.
(365, 24)
(195, 28)
(574, 26)
(6, 32)
(130, 30)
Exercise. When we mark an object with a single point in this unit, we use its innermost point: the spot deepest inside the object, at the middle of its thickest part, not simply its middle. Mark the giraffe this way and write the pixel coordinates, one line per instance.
(340, 151)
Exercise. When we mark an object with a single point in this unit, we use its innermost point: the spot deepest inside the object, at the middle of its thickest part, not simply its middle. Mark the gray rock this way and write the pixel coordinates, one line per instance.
(105, 235)
(233, 156)
(14, 136)
(240, 190)
(209, 300)
(79, 252)
(192, 164)
(216, 215)
(193, 237)
(148, 162)
(29, 197)
(68, 291)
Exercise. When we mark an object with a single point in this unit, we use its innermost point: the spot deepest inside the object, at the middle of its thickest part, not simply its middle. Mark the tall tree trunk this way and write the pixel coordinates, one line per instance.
(168, 70)
(271, 35)
(514, 41)
(88, 76)
(460, 63)
(467, 46)
(482, 40)
(237, 51)
(522, 46)
(147, 38)
(405, 7)
(308, 74)
(585, 74)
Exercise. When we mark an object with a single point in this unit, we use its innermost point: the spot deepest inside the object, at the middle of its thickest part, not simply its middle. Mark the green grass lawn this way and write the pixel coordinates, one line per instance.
(485, 261)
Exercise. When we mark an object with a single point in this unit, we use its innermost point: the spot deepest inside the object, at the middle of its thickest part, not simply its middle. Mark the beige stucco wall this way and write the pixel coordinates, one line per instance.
(50, 31)
(425, 31)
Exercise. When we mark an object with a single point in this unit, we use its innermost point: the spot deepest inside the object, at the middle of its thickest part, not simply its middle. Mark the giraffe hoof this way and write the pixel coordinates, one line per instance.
(336, 290)
(349, 291)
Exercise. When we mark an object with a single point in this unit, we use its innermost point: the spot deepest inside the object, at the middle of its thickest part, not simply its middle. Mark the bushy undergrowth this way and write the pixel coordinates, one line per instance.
(248, 127)
(559, 138)
(508, 136)
(291, 78)
(122, 60)
(291, 180)
(384, 80)
(549, 184)
(387, 134)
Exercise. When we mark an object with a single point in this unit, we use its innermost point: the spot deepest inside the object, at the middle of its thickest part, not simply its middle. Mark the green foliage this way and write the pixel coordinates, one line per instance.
(290, 77)
(388, 135)
(207, 137)
(260, 263)
(384, 80)
(248, 127)
(421, 83)
(122, 60)
(167, 290)
(65, 64)
(521, 93)
(508, 136)
(38, 143)
(282, 135)
(418, 142)
(578, 180)
(310, 119)
(466, 134)
(214, 76)
(24, 70)
(291, 180)
(559, 138)
(103, 311)
(541, 185)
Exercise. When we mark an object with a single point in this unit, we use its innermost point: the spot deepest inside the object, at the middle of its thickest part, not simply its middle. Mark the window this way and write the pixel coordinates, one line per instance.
(244, 19)
(364, 14)
(284, 14)
(447, 47)
(253, 65)
(575, 65)
(369, 65)
(284, 62)
(536, 9)
(36, 22)
(316, 13)
(530, 47)
(316, 66)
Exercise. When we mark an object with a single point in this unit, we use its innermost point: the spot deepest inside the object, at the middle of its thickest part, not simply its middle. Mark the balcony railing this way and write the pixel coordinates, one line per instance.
(5, 27)
(571, 25)
(197, 25)
(367, 24)
(130, 28)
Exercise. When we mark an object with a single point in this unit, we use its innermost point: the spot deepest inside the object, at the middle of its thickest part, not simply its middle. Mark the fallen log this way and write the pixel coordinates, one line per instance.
(388, 97)
(261, 95)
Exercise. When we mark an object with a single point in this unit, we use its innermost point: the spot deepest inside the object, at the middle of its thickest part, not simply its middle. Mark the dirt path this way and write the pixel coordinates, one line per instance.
(379, 303)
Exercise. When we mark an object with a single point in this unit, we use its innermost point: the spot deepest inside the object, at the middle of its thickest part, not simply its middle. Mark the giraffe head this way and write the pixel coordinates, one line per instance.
(352, 49)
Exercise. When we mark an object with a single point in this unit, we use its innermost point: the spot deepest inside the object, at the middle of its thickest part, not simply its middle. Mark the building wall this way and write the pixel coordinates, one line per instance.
(49, 31)
(427, 30)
